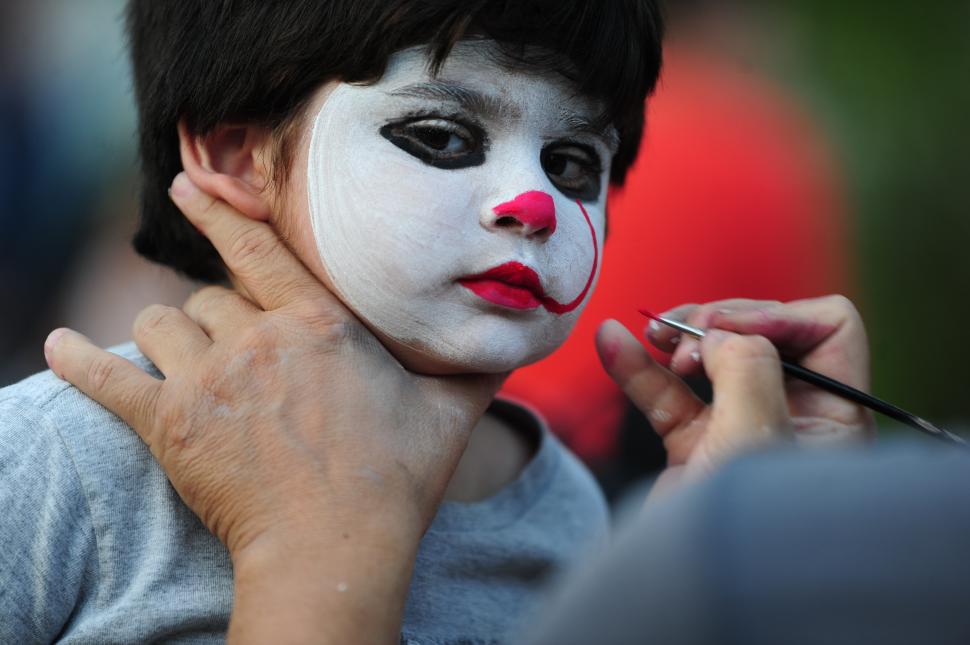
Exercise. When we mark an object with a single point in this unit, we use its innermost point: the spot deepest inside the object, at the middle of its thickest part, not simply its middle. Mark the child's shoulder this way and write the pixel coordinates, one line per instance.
(44, 414)
(89, 511)
(45, 392)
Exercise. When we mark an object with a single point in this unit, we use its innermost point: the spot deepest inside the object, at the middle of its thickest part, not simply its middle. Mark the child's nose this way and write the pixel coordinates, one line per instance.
(532, 214)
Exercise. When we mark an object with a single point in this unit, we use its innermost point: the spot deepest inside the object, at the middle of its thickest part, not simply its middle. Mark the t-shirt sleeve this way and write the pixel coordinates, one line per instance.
(45, 530)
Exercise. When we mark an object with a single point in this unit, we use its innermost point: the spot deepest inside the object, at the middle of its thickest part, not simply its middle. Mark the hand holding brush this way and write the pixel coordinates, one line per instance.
(794, 335)
(753, 402)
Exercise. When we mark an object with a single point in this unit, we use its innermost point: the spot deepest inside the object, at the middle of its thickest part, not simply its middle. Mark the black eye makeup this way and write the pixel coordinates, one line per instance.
(446, 142)
(574, 168)
(452, 142)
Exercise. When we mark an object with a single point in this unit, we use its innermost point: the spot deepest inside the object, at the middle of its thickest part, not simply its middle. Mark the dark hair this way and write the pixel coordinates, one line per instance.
(256, 61)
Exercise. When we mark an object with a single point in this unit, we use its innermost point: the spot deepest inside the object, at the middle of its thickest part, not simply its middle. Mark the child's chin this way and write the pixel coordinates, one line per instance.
(425, 361)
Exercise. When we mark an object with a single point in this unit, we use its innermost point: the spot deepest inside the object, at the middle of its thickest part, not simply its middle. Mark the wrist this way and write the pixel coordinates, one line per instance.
(338, 583)
(316, 538)
(308, 508)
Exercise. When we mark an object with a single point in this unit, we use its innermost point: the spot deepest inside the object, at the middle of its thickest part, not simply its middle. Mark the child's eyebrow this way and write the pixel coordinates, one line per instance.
(579, 123)
(490, 106)
(468, 98)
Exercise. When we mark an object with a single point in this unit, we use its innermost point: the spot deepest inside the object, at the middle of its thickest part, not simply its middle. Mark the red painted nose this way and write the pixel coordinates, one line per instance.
(533, 212)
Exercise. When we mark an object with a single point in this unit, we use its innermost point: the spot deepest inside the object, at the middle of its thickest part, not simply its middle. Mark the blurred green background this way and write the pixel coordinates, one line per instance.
(888, 82)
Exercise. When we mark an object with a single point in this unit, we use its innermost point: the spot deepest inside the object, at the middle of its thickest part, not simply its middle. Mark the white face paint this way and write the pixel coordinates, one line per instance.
(404, 177)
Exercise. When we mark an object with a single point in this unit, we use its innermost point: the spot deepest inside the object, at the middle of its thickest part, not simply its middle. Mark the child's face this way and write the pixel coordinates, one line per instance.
(403, 180)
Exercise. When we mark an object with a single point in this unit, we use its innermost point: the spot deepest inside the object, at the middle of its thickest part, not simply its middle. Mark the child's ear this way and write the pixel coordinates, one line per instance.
(229, 163)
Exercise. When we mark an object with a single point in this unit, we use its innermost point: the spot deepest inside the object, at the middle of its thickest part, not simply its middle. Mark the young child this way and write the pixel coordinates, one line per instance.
(441, 167)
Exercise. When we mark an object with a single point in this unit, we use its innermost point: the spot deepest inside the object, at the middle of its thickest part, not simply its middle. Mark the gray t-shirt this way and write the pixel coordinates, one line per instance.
(96, 546)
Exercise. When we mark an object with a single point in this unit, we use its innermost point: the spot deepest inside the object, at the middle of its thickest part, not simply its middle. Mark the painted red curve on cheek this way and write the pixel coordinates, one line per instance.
(558, 308)
(534, 208)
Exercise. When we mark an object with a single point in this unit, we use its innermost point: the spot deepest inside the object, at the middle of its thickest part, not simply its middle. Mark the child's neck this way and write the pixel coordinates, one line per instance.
(494, 458)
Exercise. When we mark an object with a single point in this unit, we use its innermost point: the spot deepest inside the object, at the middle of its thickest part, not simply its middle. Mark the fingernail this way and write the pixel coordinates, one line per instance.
(660, 415)
(182, 186)
(51, 343)
(675, 340)
(653, 327)
(695, 356)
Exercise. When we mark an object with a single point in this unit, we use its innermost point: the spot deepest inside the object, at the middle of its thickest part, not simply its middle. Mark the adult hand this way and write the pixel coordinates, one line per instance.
(752, 402)
(285, 425)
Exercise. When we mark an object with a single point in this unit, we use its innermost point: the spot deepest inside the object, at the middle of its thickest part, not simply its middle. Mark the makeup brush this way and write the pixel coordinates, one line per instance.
(835, 387)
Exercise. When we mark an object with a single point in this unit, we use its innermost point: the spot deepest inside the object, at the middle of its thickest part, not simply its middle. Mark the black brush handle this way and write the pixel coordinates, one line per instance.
(858, 396)
(835, 387)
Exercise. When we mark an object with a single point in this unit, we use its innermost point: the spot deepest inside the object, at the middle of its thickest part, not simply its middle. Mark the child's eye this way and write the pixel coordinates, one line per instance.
(443, 143)
(441, 139)
(575, 170)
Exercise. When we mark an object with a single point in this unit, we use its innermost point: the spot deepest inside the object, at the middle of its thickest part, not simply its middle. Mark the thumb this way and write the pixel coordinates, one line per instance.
(661, 395)
(749, 407)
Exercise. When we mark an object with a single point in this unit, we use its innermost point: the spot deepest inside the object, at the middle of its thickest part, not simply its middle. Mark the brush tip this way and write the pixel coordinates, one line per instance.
(649, 314)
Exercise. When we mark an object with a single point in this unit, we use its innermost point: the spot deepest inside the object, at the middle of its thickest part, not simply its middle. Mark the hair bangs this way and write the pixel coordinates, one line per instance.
(610, 51)
(239, 61)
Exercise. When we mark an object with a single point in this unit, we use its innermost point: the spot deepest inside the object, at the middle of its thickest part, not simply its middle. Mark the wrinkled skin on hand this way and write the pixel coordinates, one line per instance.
(278, 407)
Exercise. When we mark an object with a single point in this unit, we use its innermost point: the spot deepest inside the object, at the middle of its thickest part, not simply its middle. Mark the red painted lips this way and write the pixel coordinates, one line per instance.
(512, 285)
(517, 286)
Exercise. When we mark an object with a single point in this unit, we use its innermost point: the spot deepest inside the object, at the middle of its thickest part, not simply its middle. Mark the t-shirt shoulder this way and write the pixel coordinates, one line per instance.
(94, 528)
(49, 536)
(45, 391)
(47, 417)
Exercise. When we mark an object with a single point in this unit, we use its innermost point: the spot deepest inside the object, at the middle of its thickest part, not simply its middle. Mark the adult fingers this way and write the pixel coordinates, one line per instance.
(686, 357)
(666, 400)
(664, 337)
(219, 311)
(749, 404)
(109, 379)
(168, 337)
(251, 249)
(798, 328)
